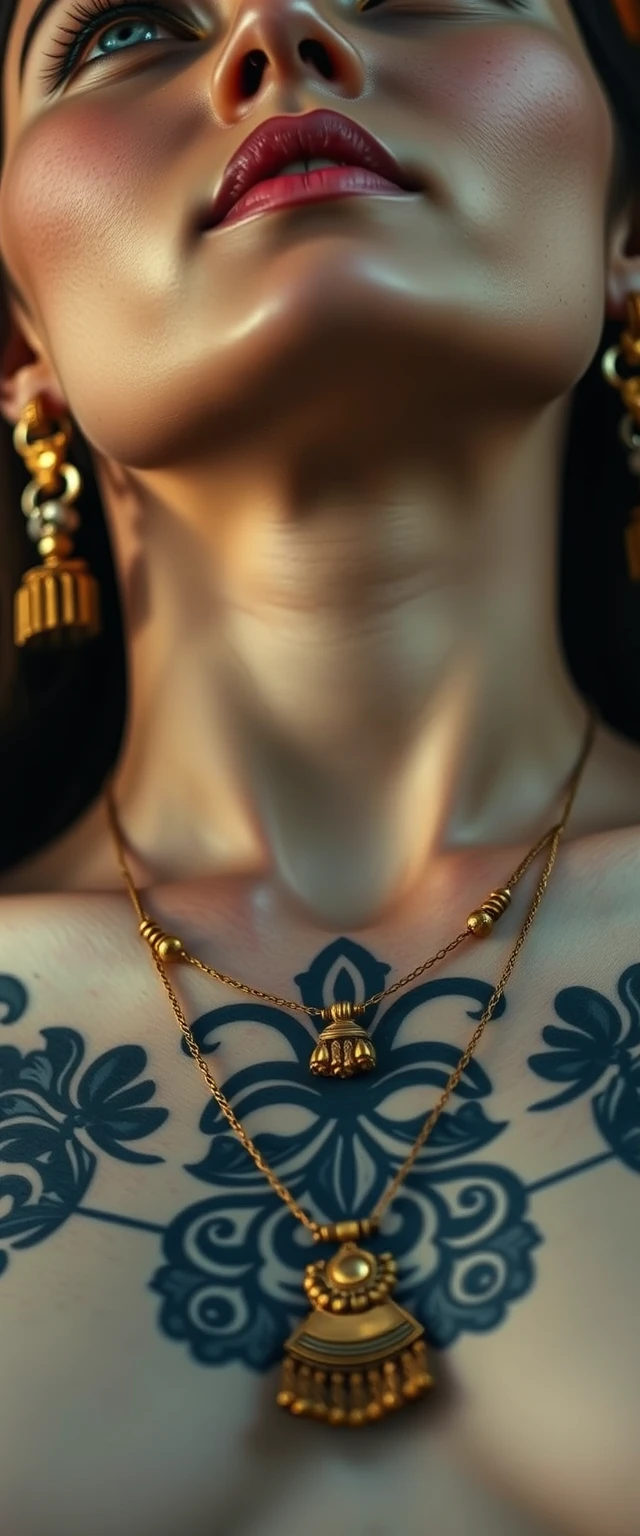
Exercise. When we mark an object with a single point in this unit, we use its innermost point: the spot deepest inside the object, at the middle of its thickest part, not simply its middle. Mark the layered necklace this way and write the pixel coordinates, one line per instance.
(358, 1355)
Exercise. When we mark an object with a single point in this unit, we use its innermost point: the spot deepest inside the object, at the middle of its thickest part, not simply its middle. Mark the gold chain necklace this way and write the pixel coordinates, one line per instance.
(358, 1356)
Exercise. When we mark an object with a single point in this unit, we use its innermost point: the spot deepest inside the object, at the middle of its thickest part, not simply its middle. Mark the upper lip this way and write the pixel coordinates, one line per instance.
(316, 135)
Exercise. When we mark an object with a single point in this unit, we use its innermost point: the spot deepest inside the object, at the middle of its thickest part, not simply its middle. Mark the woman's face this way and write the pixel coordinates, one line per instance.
(494, 274)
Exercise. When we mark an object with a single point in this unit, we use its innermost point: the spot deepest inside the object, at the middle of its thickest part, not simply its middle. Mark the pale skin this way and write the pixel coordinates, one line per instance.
(328, 445)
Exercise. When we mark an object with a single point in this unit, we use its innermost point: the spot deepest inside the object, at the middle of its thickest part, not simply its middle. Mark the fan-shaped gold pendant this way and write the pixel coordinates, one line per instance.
(358, 1356)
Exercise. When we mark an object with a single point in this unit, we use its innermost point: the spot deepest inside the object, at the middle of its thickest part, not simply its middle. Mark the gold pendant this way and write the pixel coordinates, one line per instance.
(344, 1047)
(358, 1356)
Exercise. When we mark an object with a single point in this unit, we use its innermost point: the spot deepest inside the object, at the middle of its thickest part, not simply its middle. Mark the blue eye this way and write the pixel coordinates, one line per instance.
(86, 18)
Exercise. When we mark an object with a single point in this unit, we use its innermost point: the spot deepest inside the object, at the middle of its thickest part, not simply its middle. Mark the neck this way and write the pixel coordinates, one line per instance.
(338, 673)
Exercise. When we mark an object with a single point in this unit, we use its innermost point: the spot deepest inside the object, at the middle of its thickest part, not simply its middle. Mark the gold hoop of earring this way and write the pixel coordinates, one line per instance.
(629, 349)
(59, 600)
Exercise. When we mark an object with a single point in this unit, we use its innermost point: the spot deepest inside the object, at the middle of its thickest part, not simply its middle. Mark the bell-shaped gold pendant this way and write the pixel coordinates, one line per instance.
(358, 1356)
(61, 597)
(344, 1047)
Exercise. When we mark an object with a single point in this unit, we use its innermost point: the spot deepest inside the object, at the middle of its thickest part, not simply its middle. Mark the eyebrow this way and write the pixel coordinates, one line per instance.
(39, 13)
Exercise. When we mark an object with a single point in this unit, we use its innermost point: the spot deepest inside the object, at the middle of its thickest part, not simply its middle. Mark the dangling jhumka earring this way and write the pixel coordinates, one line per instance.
(629, 349)
(61, 598)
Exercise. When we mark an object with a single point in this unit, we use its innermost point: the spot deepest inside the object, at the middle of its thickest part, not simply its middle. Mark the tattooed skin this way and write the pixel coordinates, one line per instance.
(226, 1281)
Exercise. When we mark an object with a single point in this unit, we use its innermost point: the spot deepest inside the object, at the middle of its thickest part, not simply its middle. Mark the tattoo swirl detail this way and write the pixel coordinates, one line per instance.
(230, 1281)
(231, 1286)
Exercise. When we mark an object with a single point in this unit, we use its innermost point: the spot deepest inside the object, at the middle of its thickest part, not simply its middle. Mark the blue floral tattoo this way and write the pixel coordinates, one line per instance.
(230, 1281)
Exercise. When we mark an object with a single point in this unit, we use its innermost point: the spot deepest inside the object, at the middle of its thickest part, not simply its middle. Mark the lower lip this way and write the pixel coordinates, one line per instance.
(309, 187)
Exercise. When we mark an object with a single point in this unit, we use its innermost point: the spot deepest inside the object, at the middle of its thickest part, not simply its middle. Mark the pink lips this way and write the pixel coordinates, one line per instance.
(250, 183)
(308, 187)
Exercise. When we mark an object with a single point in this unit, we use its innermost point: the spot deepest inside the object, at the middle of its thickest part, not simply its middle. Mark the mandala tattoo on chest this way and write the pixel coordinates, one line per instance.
(224, 1274)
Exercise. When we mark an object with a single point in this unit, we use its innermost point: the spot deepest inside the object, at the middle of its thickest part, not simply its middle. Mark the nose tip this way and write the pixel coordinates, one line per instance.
(280, 47)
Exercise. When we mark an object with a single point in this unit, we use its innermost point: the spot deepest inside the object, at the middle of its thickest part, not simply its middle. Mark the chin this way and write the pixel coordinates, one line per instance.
(327, 304)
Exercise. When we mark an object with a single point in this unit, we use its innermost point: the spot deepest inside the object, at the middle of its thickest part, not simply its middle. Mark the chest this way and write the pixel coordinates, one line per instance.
(150, 1275)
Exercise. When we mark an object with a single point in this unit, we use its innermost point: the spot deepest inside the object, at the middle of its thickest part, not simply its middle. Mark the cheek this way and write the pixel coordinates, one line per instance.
(521, 134)
(541, 107)
(523, 102)
(58, 191)
(74, 201)
(91, 206)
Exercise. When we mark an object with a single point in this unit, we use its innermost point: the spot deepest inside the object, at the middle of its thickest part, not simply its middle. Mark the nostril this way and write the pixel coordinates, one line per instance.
(251, 71)
(312, 52)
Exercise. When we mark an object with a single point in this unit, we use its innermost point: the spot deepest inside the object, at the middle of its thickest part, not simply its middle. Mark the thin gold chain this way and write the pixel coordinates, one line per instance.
(285, 1002)
(280, 1189)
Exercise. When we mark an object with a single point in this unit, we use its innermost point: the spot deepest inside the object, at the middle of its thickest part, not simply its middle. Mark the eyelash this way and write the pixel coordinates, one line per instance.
(72, 39)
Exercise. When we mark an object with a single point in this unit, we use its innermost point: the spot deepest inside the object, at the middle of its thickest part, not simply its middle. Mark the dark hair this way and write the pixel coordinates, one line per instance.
(62, 715)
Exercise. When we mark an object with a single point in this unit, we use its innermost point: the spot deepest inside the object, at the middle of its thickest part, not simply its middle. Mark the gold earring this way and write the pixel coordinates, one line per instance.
(629, 348)
(61, 598)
